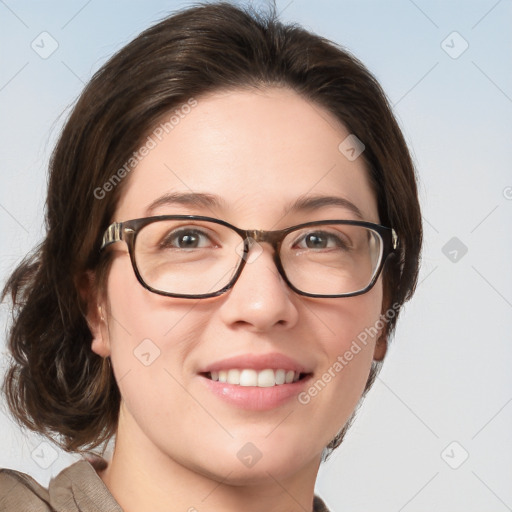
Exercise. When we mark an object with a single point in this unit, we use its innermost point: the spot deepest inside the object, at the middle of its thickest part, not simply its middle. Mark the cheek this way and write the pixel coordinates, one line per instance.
(353, 319)
(148, 333)
(348, 351)
(150, 338)
(136, 313)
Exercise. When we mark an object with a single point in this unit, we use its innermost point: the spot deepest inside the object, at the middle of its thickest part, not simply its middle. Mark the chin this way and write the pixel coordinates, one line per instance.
(252, 466)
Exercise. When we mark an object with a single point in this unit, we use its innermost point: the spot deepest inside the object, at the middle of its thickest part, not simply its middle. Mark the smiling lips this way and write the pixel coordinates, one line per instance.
(256, 381)
(248, 377)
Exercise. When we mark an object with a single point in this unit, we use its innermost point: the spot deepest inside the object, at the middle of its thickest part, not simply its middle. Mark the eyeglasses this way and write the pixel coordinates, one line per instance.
(194, 257)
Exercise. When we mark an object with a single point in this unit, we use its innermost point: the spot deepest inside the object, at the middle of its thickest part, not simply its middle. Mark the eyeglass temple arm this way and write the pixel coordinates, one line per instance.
(112, 234)
(394, 238)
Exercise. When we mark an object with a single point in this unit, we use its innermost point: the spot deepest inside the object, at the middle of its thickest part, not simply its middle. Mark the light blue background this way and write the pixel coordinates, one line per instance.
(447, 376)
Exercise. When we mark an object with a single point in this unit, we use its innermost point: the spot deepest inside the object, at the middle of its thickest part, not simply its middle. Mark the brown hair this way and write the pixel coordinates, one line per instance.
(55, 384)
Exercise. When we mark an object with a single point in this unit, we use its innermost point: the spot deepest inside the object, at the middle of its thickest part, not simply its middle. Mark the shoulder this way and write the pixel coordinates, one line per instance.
(77, 488)
(19, 491)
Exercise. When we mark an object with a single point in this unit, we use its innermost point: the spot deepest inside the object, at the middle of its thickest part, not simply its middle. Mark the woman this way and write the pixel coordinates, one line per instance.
(232, 229)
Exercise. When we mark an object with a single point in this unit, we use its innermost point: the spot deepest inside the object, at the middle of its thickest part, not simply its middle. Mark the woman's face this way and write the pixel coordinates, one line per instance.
(258, 152)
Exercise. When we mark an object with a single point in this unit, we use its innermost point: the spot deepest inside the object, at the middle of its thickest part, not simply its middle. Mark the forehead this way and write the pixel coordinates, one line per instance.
(257, 151)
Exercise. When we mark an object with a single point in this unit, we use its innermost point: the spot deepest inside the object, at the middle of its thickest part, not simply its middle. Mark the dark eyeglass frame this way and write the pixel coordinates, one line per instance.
(127, 231)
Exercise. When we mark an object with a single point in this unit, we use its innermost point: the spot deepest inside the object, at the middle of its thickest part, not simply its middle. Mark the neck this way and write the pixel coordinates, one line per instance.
(141, 477)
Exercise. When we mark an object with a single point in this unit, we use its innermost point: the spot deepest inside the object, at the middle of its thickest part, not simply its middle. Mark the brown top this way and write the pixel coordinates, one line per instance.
(77, 488)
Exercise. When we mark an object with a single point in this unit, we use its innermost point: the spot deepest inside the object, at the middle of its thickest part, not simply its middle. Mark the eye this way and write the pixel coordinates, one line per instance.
(323, 240)
(186, 238)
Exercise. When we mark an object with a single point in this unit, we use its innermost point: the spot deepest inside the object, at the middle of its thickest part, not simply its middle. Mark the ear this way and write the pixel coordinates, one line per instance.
(95, 313)
(381, 347)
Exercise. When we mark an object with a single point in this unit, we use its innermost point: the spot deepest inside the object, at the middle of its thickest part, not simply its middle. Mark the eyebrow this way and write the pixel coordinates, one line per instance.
(313, 202)
(214, 202)
(197, 199)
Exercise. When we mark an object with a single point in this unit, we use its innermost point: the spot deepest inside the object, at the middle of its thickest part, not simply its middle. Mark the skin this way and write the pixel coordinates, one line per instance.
(177, 443)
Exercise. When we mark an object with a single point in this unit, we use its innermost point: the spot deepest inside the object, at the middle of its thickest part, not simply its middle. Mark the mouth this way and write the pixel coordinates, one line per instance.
(248, 377)
(257, 382)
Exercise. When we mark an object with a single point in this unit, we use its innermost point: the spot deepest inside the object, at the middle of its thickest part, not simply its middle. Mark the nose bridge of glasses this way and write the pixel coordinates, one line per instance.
(255, 237)
(261, 236)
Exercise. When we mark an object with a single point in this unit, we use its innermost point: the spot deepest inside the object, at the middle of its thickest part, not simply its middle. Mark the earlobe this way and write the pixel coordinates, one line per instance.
(381, 347)
(98, 327)
(95, 314)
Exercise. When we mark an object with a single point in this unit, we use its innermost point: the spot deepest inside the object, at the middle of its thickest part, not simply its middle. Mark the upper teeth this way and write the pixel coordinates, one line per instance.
(263, 379)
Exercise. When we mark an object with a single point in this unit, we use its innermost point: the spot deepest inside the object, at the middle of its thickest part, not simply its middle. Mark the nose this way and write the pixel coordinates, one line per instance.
(260, 299)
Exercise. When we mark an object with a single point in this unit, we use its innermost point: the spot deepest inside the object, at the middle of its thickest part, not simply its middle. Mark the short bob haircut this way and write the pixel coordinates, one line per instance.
(55, 385)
